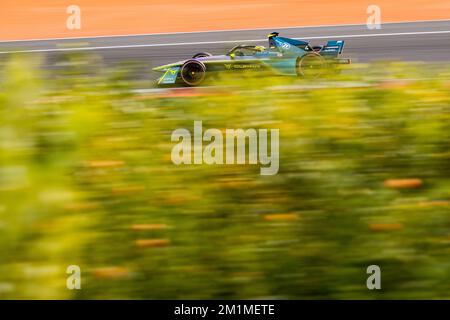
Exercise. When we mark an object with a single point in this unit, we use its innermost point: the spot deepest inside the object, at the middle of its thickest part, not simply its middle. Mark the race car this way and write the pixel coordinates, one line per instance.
(284, 56)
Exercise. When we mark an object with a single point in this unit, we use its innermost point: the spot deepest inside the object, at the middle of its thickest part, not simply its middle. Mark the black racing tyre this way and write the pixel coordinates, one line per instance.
(311, 65)
(202, 55)
(193, 72)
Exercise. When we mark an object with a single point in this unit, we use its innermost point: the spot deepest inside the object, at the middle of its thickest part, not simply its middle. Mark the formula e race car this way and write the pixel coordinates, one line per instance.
(284, 57)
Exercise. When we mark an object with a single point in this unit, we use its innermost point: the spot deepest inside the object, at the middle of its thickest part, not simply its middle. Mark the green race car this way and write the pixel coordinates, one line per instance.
(285, 56)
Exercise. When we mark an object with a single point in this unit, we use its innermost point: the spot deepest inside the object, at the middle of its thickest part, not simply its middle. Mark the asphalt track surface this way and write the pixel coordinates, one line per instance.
(411, 41)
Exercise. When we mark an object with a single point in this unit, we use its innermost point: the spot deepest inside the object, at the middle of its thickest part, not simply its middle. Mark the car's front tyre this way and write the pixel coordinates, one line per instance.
(193, 73)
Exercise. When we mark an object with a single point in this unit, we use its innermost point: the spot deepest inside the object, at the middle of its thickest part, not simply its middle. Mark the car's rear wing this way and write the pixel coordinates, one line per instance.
(333, 48)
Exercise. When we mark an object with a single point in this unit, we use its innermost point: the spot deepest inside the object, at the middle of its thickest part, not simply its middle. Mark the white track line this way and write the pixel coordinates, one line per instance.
(219, 30)
(224, 41)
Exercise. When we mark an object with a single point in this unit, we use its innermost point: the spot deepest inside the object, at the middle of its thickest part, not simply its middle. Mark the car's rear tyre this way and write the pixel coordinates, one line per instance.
(202, 55)
(311, 65)
(193, 73)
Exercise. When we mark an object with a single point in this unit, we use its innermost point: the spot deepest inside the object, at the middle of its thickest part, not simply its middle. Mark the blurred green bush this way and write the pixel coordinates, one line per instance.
(86, 179)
